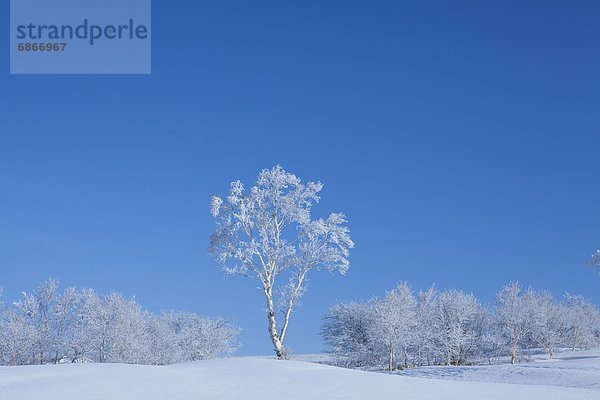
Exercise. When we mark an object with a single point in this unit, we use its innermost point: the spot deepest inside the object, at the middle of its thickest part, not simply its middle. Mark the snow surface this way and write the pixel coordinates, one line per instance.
(571, 369)
(571, 376)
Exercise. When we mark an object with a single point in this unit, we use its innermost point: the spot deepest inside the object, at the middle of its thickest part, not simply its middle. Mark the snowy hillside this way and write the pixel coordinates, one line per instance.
(260, 378)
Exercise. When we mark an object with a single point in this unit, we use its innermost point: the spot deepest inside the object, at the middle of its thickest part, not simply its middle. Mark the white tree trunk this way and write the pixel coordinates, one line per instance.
(277, 342)
(513, 355)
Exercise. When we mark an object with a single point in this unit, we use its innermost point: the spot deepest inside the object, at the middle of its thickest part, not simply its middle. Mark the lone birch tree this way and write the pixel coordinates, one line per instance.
(267, 233)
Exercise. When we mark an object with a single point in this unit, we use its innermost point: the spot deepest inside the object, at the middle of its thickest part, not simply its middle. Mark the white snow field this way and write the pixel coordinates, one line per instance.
(580, 369)
(572, 376)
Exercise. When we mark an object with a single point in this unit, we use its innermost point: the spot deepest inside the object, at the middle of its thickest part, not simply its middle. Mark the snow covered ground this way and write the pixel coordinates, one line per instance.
(572, 376)
(579, 369)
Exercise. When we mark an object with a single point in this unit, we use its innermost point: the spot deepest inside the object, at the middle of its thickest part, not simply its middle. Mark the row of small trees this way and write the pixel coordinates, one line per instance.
(84, 326)
(453, 327)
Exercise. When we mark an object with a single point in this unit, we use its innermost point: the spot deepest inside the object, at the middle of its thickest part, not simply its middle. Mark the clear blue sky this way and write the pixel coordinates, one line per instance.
(461, 139)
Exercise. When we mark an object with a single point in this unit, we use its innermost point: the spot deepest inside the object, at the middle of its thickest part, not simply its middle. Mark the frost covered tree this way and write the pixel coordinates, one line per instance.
(516, 313)
(267, 231)
(130, 341)
(17, 339)
(62, 323)
(217, 337)
(395, 322)
(493, 344)
(98, 315)
(424, 338)
(551, 327)
(583, 323)
(459, 322)
(199, 338)
(37, 309)
(347, 331)
(81, 338)
(161, 341)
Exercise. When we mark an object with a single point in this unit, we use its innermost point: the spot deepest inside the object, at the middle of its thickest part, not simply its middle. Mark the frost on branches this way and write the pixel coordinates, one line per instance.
(84, 326)
(453, 328)
(267, 233)
(395, 321)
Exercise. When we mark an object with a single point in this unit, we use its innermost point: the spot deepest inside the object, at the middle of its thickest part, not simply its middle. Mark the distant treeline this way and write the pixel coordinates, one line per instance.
(47, 326)
(452, 327)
